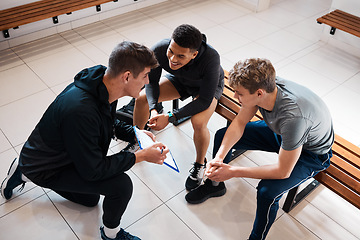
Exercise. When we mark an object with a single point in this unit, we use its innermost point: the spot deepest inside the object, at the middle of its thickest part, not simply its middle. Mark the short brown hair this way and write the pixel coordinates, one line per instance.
(130, 56)
(253, 74)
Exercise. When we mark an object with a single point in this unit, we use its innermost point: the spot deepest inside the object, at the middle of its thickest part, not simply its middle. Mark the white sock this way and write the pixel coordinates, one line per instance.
(111, 232)
(24, 178)
(215, 184)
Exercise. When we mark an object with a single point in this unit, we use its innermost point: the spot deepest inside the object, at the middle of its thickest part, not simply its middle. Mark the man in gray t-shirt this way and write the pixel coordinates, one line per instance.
(297, 125)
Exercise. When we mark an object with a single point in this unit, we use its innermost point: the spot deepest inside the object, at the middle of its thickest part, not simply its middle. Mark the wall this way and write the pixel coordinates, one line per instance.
(40, 29)
(348, 42)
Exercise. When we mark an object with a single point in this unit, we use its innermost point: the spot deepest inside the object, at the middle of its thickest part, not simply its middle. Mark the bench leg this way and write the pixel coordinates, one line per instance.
(55, 20)
(6, 33)
(175, 105)
(332, 30)
(294, 198)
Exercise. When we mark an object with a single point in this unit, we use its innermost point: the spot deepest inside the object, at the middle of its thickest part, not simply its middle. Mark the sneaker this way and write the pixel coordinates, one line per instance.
(121, 235)
(205, 191)
(132, 147)
(196, 176)
(12, 180)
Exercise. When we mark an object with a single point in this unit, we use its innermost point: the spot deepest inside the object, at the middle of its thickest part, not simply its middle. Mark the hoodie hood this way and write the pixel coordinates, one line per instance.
(201, 51)
(91, 81)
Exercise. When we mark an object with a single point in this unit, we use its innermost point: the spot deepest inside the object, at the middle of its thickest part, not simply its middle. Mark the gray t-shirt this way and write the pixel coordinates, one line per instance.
(301, 118)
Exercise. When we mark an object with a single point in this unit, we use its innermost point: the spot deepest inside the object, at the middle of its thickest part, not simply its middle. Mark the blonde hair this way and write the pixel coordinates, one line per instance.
(253, 74)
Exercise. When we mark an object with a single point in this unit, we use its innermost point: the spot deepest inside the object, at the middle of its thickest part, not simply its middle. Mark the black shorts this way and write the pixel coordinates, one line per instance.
(186, 91)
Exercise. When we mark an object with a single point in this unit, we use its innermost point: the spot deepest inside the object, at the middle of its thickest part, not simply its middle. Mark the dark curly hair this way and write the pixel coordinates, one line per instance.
(187, 36)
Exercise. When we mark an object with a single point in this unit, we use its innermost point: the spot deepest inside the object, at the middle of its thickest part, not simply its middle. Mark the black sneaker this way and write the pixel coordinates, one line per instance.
(12, 180)
(205, 191)
(195, 177)
(121, 235)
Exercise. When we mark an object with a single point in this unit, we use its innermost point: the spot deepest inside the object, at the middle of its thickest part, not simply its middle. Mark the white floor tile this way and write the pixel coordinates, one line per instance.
(161, 224)
(286, 227)
(284, 43)
(12, 116)
(4, 143)
(41, 48)
(336, 208)
(228, 217)
(332, 63)
(319, 223)
(224, 40)
(56, 68)
(354, 83)
(308, 78)
(19, 82)
(9, 59)
(279, 17)
(251, 27)
(86, 221)
(38, 219)
(340, 107)
(306, 8)
(253, 50)
(217, 11)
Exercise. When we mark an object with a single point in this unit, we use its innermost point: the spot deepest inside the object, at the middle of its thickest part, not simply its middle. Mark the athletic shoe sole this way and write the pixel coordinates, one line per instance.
(214, 194)
(9, 175)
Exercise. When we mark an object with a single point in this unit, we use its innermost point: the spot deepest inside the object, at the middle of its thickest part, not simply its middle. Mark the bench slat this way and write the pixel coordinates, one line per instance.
(344, 178)
(343, 21)
(41, 10)
(345, 166)
(355, 150)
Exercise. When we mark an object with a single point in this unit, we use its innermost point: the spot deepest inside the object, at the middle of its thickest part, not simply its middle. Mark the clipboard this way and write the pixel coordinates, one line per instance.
(145, 141)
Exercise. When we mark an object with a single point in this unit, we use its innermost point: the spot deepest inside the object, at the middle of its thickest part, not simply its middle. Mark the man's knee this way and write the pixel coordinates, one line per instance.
(219, 135)
(198, 124)
(268, 189)
(123, 186)
(141, 100)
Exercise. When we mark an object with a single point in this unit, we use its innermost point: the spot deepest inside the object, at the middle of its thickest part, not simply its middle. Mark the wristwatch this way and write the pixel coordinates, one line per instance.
(172, 118)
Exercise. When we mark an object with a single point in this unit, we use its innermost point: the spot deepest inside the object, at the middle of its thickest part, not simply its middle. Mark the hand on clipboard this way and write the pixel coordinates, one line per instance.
(145, 141)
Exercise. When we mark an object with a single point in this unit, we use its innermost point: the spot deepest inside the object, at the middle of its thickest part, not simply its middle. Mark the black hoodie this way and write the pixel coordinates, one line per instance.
(75, 131)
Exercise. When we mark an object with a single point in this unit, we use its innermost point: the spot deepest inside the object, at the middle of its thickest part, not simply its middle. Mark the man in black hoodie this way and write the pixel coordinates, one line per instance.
(67, 150)
(194, 70)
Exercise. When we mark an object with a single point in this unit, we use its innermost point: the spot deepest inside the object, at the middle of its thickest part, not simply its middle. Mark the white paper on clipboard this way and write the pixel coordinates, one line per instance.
(145, 141)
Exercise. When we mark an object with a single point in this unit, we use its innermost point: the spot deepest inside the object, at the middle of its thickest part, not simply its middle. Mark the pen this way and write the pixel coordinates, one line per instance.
(162, 150)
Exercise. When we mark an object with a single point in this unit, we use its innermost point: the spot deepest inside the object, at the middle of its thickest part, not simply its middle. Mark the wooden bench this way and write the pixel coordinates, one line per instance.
(40, 10)
(344, 21)
(343, 175)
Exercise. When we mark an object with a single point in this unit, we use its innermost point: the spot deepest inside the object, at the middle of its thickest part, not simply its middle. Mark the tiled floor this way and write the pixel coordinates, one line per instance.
(32, 74)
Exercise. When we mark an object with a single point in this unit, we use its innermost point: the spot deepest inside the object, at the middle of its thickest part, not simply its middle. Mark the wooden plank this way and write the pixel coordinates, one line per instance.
(346, 167)
(343, 178)
(348, 146)
(41, 10)
(343, 21)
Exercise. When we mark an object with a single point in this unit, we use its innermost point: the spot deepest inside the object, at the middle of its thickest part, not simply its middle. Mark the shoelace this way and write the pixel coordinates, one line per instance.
(22, 187)
(194, 171)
